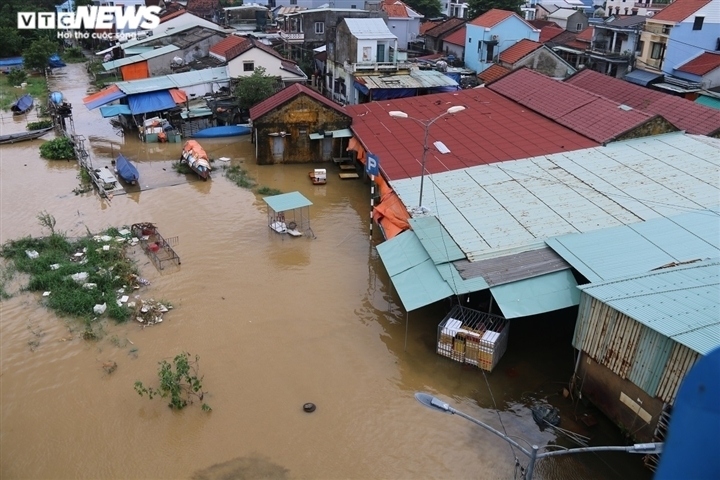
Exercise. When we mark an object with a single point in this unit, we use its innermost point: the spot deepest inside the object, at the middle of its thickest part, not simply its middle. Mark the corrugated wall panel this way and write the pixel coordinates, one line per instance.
(651, 357)
(583, 321)
(679, 364)
(625, 341)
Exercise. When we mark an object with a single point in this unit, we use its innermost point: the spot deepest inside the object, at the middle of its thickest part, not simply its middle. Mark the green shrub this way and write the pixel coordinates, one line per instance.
(17, 76)
(39, 125)
(58, 149)
(179, 381)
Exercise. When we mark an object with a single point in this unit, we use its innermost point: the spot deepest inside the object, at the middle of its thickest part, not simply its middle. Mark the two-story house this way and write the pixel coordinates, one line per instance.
(403, 21)
(676, 35)
(364, 63)
(454, 8)
(491, 33)
(614, 44)
(570, 19)
(303, 31)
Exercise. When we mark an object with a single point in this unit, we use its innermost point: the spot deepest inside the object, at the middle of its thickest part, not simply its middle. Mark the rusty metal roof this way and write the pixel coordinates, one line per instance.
(415, 79)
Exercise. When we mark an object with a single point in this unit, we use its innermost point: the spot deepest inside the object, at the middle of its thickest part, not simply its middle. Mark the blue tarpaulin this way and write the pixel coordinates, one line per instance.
(114, 110)
(103, 97)
(151, 102)
(454, 75)
(11, 62)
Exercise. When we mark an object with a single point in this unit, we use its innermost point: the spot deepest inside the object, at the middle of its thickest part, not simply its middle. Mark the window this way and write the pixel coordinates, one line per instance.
(698, 23)
(579, 27)
(319, 28)
(353, 6)
(248, 66)
(640, 48)
(293, 2)
(490, 51)
(656, 50)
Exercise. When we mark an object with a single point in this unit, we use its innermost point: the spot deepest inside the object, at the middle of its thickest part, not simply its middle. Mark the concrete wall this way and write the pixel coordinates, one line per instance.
(161, 65)
(546, 62)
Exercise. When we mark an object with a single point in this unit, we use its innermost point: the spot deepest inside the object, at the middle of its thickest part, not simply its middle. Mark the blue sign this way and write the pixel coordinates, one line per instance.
(372, 166)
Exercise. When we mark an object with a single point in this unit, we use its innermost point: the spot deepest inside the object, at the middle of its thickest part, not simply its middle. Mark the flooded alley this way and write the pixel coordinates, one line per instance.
(276, 321)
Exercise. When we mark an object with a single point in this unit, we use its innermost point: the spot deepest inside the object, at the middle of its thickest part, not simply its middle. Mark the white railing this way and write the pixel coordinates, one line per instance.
(292, 37)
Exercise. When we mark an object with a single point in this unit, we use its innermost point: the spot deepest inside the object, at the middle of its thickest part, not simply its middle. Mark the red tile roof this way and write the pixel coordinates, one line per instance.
(203, 7)
(172, 15)
(457, 37)
(493, 72)
(684, 114)
(584, 112)
(550, 32)
(492, 129)
(585, 35)
(226, 45)
(395, 9)
(444, 28)
(704, 64)
(491, 18)
(287, 94)
(519, 51)
(679, 10)
(425, 26)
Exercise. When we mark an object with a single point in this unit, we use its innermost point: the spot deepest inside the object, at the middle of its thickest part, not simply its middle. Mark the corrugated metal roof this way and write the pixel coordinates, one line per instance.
(155, 52)
(511, 268)
(369, 28)
(561, 13)
(531, 296)
(493, 210)
(415, 79)
(433, 236)
(682, 113)
(175, 80)
(287, 201)
(680, 302)
(641, 247)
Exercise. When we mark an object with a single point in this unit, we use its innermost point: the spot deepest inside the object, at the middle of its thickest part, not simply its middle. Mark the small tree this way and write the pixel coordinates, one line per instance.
(37, 54)
(178, 381)
(255, 88)
(17, 76)
(478, 7)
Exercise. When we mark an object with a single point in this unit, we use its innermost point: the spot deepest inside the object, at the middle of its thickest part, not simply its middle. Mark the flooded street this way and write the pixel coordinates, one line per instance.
(277, 322)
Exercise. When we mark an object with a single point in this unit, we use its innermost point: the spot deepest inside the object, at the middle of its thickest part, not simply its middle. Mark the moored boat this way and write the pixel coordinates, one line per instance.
(56, 97)
(224, 131)
(126, 170)
(22, 104)
(195, 157)
(318, 176)
(23, 136)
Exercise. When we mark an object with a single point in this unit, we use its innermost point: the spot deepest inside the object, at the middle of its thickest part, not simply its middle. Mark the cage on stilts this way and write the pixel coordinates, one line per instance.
(289, 213)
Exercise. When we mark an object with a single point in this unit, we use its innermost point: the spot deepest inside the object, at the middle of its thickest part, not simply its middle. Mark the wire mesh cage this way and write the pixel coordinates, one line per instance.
(469, 336)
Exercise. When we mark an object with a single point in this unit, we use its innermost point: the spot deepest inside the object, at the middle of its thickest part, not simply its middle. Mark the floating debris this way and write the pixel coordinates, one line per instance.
(150, 312)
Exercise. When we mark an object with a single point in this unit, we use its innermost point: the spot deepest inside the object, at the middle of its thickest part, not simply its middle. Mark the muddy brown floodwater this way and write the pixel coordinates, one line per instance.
(277, 322)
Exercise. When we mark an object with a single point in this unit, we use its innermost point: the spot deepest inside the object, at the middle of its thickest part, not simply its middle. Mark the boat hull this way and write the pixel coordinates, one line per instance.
(224, 131)
(194, 156)
(22, 105)
(126, 170)
(24, 136)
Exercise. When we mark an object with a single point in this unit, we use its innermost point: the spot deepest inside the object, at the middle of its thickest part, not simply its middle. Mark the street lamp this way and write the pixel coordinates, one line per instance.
(426, 124)
(438, 405)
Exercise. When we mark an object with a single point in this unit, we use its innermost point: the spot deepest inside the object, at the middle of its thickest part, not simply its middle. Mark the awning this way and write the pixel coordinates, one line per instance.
(344, 133)
(179, 96)
(412, 271)
(287, 201)
(103, 97)
(151, 102)
(542, 294)
(114, 110)
(643, 78)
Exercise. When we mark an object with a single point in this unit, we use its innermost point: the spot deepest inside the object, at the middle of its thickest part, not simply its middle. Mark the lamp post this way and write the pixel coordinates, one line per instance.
(426, 125)
(438, 405)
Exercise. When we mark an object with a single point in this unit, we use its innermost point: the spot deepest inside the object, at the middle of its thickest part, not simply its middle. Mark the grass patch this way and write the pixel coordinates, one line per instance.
(85, 182)
(239, 177)
(268, 191)
(39, 125)
(6, 275)
(56, 263)
(73, 55)
(36, 86)
(181, 167)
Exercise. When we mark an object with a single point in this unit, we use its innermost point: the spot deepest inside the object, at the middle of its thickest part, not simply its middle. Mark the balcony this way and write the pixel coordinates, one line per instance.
(369, 67)
(292, 37)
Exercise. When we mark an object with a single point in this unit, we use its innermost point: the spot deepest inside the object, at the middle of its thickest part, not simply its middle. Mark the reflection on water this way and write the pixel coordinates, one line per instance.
(277, 322)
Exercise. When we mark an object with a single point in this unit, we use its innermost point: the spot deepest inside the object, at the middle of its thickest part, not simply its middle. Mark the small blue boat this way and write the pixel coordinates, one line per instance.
(22, 105)
(224, 131)
(126, 170)
(55, 61)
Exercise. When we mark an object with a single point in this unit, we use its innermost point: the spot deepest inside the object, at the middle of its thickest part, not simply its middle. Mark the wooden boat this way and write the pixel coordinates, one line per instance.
(126, 170)
(23, 136)
(22, 104)
(318, 176)
(224, 131)
(194, 156)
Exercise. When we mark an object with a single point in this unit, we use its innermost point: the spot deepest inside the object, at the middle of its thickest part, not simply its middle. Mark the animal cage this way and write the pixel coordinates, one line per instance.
(469, 336)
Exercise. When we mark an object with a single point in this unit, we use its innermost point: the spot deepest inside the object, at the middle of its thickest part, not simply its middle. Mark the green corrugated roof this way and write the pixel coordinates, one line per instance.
(152, 53)
(438, 243)
(287, 201)
(711, 102)
(531, 296)
(641, 247)
(678, 302)
(175, 80)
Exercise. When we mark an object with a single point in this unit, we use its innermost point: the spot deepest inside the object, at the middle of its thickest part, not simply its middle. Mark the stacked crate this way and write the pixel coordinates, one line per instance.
(469, 336)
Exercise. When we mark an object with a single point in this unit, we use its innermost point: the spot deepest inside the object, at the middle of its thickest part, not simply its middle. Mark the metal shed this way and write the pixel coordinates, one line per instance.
(289, 213)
